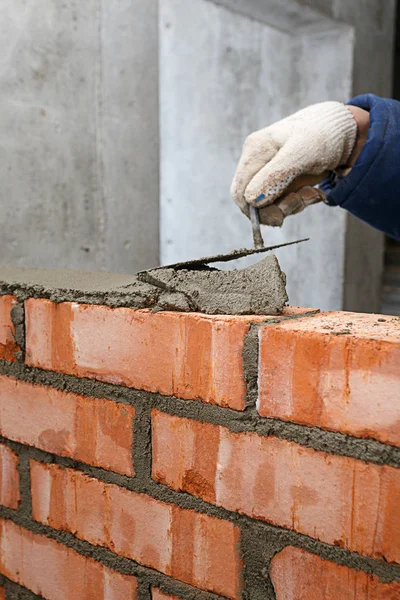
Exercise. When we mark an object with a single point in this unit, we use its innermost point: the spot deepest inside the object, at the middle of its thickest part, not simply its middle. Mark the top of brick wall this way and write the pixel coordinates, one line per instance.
(62, 284)
(337, 371)
(85, 287)
(360, 325)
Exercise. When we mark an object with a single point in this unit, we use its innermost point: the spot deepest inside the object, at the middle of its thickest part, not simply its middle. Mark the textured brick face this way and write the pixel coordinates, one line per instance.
(334, 499)
(57, 572)
(8, 345)
(189, 546)
(9, 478)
(189, 356)
(97, 432)
(185, 355)
(348, 382)
(298, 575)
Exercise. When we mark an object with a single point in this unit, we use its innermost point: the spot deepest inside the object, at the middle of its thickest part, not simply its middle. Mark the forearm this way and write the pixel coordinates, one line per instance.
(362, 119)
(370, 190)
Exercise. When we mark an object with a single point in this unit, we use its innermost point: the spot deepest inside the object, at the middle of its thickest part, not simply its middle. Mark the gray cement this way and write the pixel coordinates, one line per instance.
(259, 289)
(80, 286)
(18, 319)
(16, 592)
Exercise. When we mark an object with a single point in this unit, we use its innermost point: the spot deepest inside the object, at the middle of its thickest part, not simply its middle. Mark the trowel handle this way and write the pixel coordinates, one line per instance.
(255, 225)
(297, 184)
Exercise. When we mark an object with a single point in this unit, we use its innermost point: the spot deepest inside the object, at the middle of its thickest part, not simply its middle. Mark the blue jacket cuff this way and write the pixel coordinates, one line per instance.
(371, 190)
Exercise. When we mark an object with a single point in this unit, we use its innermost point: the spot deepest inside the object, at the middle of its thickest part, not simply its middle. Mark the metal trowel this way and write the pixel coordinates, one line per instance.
(295, 186)
(199, 263)
(255, 226)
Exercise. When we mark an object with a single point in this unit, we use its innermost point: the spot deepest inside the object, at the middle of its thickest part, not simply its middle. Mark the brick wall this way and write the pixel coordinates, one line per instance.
(182, 456)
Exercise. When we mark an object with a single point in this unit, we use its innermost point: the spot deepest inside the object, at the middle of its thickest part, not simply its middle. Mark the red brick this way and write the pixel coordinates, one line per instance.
(97, 432)
(348, 383)
(298, 575)
(157, 594)
(9, 478)
(189, 546)
(2, 593)
(58, 573)
(335, 499)
(8, 345)
(189, 356)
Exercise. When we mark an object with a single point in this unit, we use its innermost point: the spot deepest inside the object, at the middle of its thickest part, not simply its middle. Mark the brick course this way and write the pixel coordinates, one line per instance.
(334, 499)
(189, 356)
(191, 547)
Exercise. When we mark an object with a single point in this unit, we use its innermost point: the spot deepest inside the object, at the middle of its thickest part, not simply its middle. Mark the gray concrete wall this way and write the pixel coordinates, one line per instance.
(79, 134)
(228, 67)
(373, 24)
(89, 90)
(215, 86)
(223, 75)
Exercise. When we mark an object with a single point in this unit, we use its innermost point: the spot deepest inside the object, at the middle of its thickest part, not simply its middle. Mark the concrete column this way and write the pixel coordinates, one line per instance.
(79, 134)
(228, 67)
(373, 72)
(373, 23)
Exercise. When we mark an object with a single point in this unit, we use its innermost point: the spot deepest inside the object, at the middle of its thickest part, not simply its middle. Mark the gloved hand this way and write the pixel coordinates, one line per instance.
(312, 141)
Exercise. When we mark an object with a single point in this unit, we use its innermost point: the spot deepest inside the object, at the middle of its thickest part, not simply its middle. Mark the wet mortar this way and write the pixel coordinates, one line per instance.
(258, 289)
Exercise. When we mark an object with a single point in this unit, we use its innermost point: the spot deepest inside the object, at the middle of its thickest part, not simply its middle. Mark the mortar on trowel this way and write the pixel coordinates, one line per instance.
(195, 286)
(259, 289)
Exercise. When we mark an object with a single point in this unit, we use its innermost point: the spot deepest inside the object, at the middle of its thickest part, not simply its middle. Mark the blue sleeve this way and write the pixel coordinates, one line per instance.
(371, 191)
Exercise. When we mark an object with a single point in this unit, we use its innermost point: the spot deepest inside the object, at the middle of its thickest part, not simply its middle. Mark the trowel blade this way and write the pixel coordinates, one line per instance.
(199, 262)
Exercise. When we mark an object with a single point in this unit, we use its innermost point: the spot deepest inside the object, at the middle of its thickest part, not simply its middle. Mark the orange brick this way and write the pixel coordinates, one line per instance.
(9, 478)
(298, 575)
(58, 573)
(189, 356)
(348, 383)
(189, 546)
(157, 594)
(97, 432)
(8, 345)
(335, 499)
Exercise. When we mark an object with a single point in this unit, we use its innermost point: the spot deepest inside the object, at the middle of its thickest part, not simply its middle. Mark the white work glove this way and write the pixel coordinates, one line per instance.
(312, 141)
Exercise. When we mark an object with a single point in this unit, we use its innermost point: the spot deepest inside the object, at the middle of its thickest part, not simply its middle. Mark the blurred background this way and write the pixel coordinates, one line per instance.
(121, 122)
